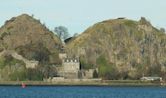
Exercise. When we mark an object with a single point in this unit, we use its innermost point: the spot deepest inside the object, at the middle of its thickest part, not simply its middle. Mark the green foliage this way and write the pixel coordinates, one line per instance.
(12, 68)
(35, 52)
(84, 64)
(106, 70)
(130, 23)
(20, 75)
(34, 74)
(2, 62)
(95, 74)
(102, 61)
(15, 70)
(4, 34)
(155, 70)
(26, 74)
(8, 60)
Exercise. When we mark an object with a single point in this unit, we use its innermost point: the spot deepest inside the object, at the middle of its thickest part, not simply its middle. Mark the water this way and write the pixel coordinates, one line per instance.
(81, 92)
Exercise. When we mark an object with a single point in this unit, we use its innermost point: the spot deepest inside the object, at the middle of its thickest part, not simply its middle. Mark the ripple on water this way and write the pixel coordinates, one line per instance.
(81, 92)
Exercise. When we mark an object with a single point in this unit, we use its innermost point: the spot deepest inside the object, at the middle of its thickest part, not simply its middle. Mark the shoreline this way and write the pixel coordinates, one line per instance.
(102, 83)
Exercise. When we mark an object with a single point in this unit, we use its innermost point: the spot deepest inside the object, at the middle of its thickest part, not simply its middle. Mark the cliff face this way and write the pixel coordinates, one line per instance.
(132, 48)
(29, 38)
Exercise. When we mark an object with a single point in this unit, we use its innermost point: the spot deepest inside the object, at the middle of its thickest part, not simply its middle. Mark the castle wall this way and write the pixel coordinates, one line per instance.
(87, 74)
(62, 56)
(71, 75)
(71, 66)
(71, 69)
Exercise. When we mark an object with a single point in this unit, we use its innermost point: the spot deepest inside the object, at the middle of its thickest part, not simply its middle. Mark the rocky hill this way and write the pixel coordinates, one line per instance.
(118, 48)
(25, 42)
(29, 38)
(121, 49)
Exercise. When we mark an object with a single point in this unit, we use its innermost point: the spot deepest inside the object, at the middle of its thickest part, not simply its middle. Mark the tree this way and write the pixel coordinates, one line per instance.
(162, 29)
(95, 74)
(84, 64)
(106, 70)
(62, 32)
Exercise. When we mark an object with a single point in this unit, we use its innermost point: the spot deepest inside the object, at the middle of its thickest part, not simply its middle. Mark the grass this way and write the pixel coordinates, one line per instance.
(130, 23)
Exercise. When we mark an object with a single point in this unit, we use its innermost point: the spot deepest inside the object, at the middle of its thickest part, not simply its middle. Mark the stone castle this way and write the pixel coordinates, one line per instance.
(71, 68)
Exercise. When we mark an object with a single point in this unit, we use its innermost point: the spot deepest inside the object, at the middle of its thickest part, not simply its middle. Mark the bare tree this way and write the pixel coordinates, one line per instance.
(62, 32)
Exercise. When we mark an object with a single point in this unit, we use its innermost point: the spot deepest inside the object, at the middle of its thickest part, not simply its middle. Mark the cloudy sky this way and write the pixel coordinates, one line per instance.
(77, 15)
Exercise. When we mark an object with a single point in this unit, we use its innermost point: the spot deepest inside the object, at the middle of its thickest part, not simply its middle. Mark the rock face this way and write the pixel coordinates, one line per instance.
(29, 38)
(132, 48)
(27, 49)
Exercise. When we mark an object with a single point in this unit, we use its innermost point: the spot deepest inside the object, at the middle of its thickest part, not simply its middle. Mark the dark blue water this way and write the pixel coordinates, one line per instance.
(81, 92)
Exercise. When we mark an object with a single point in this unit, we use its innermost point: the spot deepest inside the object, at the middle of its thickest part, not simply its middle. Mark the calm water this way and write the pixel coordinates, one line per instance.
(81, 92)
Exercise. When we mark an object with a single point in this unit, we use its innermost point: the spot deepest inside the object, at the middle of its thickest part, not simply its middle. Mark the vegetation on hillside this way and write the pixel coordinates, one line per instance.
(131, 49)
(31, 39)
(118, 48)
(106, 70)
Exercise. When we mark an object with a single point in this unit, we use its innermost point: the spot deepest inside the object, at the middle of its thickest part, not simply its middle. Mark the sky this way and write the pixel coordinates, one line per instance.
(78, 15)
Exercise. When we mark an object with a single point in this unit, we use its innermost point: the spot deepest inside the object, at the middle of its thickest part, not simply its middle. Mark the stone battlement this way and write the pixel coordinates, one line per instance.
(68, 60)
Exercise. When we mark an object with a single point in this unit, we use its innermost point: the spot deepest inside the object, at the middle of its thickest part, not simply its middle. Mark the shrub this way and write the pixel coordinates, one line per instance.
(35, 52)
(106, 70)
(84, 64)
(20, 75)
(8, 60)
(2, 63)
(34, 74)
